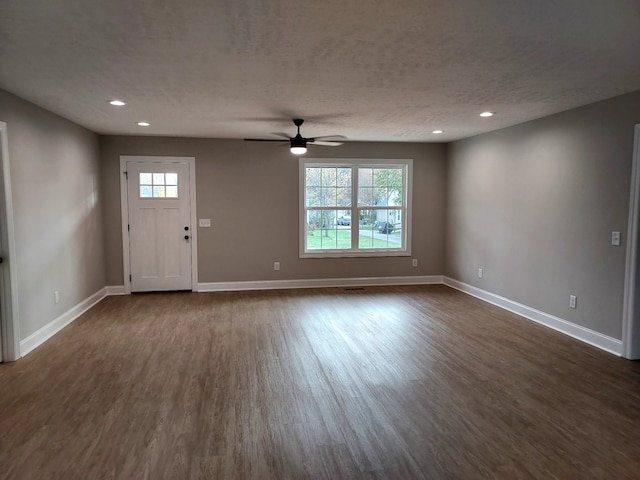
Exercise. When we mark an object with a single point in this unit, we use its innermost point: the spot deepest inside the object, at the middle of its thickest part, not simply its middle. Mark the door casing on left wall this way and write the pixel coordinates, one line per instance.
(9, 324)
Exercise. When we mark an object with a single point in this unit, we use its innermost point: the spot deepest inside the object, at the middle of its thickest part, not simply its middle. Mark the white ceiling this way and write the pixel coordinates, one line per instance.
(389, 70)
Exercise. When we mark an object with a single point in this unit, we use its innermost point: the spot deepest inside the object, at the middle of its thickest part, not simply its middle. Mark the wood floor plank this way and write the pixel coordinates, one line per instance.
(415, 382)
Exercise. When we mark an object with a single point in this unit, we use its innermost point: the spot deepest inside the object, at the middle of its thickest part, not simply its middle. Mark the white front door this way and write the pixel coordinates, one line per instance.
(160, 230)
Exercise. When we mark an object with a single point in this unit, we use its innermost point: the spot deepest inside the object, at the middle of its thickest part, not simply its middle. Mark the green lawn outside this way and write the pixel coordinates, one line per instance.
(341, 239)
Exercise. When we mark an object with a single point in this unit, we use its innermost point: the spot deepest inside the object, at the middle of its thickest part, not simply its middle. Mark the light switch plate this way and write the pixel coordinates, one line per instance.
(204, 222)
(615, 239)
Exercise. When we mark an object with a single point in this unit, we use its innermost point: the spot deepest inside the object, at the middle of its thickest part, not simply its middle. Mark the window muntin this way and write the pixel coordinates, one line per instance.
(158, 185)
(355, 208)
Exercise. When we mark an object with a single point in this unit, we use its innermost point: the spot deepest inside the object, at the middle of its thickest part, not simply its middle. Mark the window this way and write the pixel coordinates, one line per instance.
(158, 185)
(355, 208)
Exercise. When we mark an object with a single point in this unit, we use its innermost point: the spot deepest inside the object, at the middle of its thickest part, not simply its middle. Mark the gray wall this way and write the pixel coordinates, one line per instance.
(56, 202)
(250, 193)
(534, 206)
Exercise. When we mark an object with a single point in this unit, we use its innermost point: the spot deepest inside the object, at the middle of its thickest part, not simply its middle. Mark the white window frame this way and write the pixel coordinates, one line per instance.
(355, 164)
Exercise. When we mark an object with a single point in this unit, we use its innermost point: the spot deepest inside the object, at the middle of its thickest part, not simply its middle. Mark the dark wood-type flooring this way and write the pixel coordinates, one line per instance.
(416, 382)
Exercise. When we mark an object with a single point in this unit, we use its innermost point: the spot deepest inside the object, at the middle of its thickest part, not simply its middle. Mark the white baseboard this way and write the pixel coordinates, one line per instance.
(604, 342)
(49, 330)
(318, 283)
(584, 334)
(115, 290)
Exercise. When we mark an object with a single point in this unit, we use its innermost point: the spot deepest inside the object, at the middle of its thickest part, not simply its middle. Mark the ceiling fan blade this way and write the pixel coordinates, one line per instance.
(330, 138)
(323, 143)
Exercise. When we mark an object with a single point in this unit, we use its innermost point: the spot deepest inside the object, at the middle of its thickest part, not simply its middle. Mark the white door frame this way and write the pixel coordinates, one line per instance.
(124, 204)
(630, 320)
(9, 325)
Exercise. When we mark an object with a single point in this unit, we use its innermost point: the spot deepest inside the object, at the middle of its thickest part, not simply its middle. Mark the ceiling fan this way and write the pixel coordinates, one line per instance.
(298, 144)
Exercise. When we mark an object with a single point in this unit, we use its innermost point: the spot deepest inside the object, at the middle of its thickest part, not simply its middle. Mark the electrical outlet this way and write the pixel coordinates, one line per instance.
(615, 239)
(56, 296)
(480, 273)
(573, 301)
(276, 265)
(414, 262)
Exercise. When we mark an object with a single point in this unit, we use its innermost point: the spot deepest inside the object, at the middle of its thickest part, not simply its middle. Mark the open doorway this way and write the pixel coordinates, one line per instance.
(631, 307)
(9, 331)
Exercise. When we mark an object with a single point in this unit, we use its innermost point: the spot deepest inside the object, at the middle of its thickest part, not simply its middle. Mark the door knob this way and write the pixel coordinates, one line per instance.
(186, 237)
(186, 229)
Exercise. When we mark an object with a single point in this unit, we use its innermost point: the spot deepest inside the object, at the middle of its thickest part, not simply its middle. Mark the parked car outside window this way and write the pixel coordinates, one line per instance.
(385, 227)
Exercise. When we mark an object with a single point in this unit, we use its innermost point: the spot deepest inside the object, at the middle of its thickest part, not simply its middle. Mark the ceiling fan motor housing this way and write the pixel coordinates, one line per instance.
(298, 141)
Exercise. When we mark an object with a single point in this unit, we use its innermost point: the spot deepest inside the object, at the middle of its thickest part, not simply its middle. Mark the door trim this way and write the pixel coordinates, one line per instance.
(9, 319)
(124, 213)
(630, 322)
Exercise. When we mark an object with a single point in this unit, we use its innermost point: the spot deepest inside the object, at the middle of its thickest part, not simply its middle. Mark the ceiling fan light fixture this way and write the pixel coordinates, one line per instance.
(298, 150)
(298, 145)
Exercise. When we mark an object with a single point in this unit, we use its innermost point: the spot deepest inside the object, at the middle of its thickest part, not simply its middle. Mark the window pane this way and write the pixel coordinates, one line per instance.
(158, 191)
(145, 191)
(171, 179)
(328, 177)
(171, 191)
(367, 218)
(380, 177)
(344, 218)
(145, 179)
(380, 197)
(314, 197)
(324, 232)
(365, 177)
(313, 177)
(158, 178)
(385, 232)
(365, 197)
(328, 197)
(343, 177)
(343, 197)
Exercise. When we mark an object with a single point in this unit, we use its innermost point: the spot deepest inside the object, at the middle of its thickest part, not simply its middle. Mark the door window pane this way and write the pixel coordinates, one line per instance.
(146, 191)
(158, 185)
(171, 179)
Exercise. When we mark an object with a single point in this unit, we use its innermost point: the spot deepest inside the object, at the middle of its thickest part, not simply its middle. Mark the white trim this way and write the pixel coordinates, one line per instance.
(114, 290)
(319, 283)
(124, 214)
(586, 335)
(578, 332)
(49, 330)
(355, 164)
(629, 322)
(9, 318)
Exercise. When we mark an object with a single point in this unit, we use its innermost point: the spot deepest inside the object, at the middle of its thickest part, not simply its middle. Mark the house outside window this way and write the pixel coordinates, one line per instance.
(355, 208)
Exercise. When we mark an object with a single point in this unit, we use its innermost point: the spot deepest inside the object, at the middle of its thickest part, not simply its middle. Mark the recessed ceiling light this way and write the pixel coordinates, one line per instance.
(437, 132)
(117, 103)
(487, 114)
(144, 124)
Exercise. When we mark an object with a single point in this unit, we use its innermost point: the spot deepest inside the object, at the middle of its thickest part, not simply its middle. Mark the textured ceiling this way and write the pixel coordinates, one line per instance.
(384, 70)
